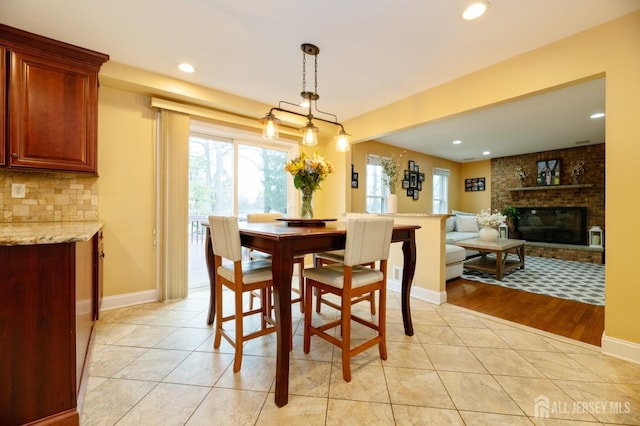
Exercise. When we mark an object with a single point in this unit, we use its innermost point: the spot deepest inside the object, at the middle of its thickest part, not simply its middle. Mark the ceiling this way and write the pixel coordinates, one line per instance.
(372, 53)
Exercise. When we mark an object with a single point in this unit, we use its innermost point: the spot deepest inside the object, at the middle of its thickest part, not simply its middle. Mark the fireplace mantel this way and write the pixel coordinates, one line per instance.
(548, 187)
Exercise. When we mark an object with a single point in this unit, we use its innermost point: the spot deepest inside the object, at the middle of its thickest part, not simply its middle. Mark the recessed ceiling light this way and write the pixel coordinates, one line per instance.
(457, 142)
(597, 115)
(475, 10)
(486, 152)
(188, 68)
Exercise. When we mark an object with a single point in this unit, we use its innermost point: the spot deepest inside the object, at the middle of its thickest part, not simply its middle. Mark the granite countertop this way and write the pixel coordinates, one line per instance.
(13, 234)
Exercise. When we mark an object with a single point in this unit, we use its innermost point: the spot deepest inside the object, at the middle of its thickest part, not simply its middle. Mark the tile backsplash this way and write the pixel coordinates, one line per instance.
(49, 197)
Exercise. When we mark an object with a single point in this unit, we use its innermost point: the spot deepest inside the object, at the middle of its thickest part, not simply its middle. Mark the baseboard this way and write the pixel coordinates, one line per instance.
(622, 349)
(129, 299)
(437, 298)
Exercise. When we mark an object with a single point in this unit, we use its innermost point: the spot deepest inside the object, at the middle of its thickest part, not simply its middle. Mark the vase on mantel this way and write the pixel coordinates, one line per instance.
(488, 234)
(392, 203)
(306, 208)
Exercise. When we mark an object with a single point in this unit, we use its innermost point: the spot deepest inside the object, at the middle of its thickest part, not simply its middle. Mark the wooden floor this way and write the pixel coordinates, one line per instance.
(576, 320)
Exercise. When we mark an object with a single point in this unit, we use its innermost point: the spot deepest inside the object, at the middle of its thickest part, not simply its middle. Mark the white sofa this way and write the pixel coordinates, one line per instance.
(454, 260)
(461, 226)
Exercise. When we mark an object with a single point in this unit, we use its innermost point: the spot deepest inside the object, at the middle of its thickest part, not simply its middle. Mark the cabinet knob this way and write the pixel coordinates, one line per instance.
(14, 155)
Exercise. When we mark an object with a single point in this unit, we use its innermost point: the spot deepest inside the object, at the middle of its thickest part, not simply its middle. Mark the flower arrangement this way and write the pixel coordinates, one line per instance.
(577, 169)
(391, 171)
(308, 173)
(491, 220)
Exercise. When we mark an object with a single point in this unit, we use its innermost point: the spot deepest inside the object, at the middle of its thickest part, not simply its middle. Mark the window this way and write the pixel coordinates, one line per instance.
(376, 189)
(229, 176)
(231, 173)
(440, 191)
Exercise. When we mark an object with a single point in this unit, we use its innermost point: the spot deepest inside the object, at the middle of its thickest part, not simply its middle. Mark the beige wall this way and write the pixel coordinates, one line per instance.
(426, 163)
(474, 201)
(127, 200)
(612, 49)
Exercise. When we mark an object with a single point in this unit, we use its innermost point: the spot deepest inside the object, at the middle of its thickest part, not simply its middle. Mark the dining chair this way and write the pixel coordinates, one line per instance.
(258, 255)
(240, 277)
(367, 240)
(337, 256)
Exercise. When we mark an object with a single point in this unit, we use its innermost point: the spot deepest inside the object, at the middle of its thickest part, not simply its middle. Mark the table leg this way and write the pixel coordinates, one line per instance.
(208, 255)
(408, 270)
(499, 265)
(282, 271)
(520, 251)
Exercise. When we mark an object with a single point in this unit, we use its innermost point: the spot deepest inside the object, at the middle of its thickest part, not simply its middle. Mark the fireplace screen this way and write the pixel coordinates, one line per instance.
(561, 225)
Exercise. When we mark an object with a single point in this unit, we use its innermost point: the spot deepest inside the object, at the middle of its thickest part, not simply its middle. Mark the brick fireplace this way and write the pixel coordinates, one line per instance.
(588, 192)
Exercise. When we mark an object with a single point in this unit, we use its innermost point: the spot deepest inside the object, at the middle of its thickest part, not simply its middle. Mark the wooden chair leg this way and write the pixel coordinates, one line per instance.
(382, 322)
(345, 328)
(301, 285)
(239, 319)
(218, 323)
(307, 316)
(265, 313)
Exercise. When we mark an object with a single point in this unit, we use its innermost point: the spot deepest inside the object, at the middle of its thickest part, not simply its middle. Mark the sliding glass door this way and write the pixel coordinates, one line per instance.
(231, 175)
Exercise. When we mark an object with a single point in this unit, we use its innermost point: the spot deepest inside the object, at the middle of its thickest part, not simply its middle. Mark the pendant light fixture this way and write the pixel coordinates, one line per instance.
(309, 101)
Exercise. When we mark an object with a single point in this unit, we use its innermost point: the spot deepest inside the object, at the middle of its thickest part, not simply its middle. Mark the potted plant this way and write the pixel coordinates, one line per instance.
(511, 213)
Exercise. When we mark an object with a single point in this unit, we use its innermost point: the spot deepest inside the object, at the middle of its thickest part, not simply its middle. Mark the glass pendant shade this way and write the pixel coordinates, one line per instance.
(342, 141)
(309, 135)
(270, 127)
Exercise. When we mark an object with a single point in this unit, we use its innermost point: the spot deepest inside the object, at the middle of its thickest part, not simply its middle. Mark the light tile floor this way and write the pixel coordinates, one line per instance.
(155, 364)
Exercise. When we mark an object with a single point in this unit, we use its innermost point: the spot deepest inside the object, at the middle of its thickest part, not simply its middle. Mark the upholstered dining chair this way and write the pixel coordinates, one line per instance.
(240, 277)
(258, 255)
(337, 256)
(367, 240)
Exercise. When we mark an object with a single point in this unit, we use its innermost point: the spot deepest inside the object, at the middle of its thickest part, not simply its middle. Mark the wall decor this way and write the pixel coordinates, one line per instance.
(354, 178)
(413, 179)
(548, 172)
(474, 184)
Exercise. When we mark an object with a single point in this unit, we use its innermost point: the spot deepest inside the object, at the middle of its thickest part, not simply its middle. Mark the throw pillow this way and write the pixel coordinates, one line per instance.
(450, 225)
(466, 223)
(459, 213)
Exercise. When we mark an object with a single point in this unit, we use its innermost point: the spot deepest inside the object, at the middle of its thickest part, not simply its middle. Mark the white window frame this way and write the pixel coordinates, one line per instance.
(242, 137)
(440, 191)
(376, 161)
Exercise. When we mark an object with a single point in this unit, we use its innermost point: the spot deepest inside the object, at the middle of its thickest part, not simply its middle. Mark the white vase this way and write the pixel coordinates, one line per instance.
(488, 234)
(392, 203)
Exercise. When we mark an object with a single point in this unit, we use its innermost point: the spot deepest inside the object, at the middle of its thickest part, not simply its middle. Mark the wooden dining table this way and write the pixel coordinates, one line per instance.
(284, 242)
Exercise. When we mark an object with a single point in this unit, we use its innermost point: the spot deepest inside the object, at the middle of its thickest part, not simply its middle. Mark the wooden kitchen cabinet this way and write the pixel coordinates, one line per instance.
(3, 105)
(50, 116)
(48, 296)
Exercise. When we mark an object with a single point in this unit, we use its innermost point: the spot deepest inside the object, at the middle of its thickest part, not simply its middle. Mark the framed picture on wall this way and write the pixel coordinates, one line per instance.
(474, 184)
(413, 180)
(412, 165)
(354, 180)
(548, 172)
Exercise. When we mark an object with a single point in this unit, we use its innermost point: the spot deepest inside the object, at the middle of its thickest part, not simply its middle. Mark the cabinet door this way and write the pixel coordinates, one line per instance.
(37, 332)
(3, 105)
(52, 114)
